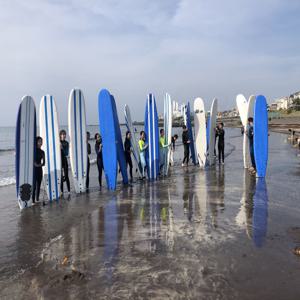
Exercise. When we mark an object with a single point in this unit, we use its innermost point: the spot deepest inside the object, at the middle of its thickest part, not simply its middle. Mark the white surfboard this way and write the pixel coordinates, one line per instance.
(246, 150)
(25, 151)
(78, 142)
(168, 111)
(212, 131)
(134, 142)
(49, 131)
(184, 116)
(242, 104)
(245, 109)
(200, 131)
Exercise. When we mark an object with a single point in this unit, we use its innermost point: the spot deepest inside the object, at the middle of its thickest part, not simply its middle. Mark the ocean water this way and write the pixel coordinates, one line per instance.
(7, 150)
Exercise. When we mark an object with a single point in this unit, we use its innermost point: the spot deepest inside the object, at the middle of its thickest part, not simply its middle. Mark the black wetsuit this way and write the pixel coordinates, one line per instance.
(64, 165)
(186, 145)
(98, 149)
(89, 151)
(173, 143)
(221, 143)
(251, 148)
(127, 150)
(39, 160)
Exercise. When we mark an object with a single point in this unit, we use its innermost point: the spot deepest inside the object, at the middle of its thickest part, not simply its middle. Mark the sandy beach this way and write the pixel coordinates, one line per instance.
(214, 234)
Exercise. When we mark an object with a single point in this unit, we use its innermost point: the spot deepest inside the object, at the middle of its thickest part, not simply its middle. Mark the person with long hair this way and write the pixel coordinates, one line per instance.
(127, 150)
(64, 147)
(39, 162)
(98, 150)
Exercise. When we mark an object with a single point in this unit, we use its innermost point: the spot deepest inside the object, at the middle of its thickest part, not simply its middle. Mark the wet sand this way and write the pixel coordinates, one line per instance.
(214, 234)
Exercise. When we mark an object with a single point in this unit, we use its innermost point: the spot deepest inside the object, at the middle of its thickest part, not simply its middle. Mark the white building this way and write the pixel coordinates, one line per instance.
(284, 103)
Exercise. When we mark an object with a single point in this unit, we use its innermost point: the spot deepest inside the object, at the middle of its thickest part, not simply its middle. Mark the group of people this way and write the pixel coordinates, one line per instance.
(40, 161)
(219, 135)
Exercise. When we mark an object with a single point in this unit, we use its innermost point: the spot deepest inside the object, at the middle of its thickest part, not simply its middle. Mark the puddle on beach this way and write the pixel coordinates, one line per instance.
(218, 234)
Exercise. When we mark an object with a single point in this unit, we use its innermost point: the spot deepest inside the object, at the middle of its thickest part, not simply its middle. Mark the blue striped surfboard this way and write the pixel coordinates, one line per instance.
(120, 148)
(78, 141)
(25, 151)
(49, 131)
(152, 138)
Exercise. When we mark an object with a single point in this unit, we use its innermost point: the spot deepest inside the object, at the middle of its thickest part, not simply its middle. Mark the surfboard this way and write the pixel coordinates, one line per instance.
(78, 142)
(184, 115)
(49, 131)
(242, 106)
(191, 135)
(25, 151)
(246, 150)
(109, 139)
(200, 131)
(260, 138)
(168, 130)
(133, 141)
(120, 148)
(212, 131)
(152, 138)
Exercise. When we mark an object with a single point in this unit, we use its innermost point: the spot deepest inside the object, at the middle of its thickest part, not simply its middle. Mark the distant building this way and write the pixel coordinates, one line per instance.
(286, 103)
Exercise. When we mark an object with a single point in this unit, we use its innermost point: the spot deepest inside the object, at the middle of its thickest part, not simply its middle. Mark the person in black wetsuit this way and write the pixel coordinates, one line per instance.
(89, 151)
(39, 162)
(64, 147)
(127, 150)
(250, 134)
(98, 150)
(173, 142)
(186, 145)
(220, 133)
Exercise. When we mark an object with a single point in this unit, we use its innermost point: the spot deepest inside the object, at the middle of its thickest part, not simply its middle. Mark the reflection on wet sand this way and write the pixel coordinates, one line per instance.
(215, 193)
(253, 214)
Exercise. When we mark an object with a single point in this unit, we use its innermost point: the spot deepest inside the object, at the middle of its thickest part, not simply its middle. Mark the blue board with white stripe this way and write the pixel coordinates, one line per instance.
(120, 148)
(109, 139)
(152, 138)
(25, 151)
(260, 137)
(191, 135)
(49, 131)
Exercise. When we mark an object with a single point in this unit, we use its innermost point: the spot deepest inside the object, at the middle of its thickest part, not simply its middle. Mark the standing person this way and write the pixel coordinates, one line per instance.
(64, 147)
(173, 141)
(250, 134)
(220, 132)
(39, 162)
(142, 147)
(127, 150)
(162, 150)
(98, 150)
(89, 151)
(186, 145)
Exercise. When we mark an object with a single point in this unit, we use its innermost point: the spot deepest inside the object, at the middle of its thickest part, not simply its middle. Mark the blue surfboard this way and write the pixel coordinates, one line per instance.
(260, 213)
(152, 138)
(120, 148)
(191, 135)
(109, 139)
(207, 131)
(261, 135)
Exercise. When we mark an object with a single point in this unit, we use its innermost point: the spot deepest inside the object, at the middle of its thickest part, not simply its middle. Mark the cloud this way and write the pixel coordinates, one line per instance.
(189, 48)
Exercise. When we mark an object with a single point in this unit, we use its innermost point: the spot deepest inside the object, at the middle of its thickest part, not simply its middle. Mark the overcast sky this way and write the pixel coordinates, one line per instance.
(189, 48)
